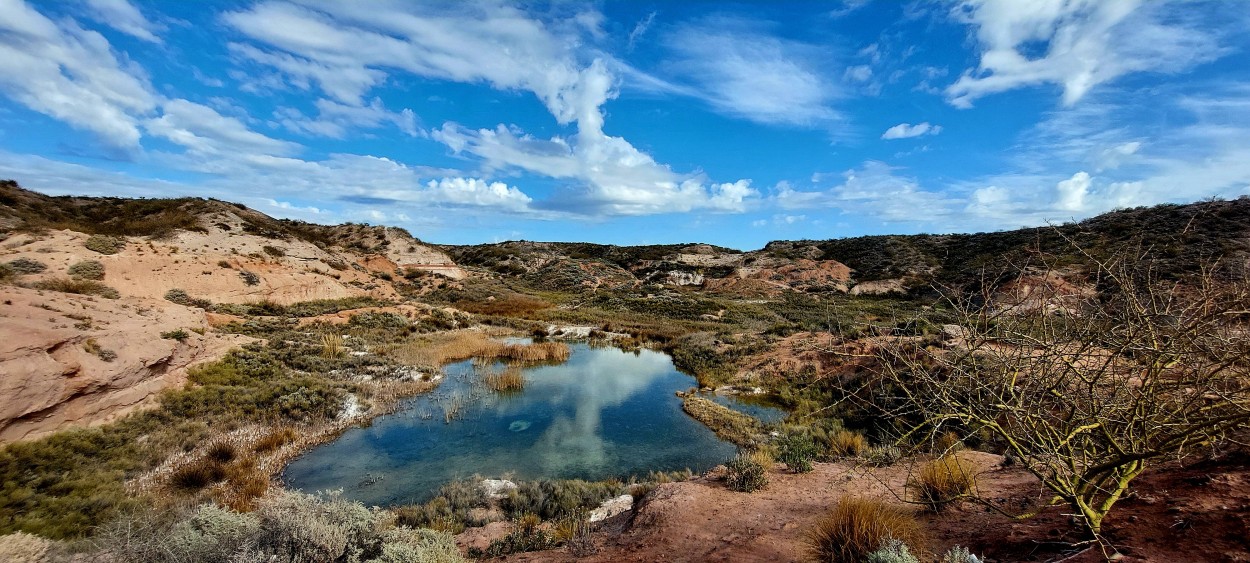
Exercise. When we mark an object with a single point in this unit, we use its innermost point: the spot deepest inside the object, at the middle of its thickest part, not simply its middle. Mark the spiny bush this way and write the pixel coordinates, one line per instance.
(91, 346)
(943, 481)
(745, 474)
(79, 287)
(796, 451)
(199, 474)
(249, 278)
(857, 527)
(959, 555)
(24, 548)
(882, 456)
(87, 270)
(27, 266)
(104, 244)
(892, 551)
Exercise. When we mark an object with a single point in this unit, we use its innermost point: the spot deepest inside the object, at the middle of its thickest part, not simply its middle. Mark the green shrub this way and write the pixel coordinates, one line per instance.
(525, 536)
(181, 297)
(177, 334)
(892, 551)
(857, 527)
(745, 474)
(27, 266)
(797, 451)
(882, 456)
(105, 244)
(87, 270)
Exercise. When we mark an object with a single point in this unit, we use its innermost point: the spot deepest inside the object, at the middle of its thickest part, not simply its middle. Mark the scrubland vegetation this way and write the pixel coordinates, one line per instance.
(1086, 388)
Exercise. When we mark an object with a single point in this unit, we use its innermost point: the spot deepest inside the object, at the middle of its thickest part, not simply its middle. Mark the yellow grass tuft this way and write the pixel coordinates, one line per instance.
(943, 481)
(857, 527)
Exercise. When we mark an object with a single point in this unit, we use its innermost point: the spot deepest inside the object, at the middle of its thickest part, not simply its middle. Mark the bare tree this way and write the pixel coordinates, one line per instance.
(1086, 389)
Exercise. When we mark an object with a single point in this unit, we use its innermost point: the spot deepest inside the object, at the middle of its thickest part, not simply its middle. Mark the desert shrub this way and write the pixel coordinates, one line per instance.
(27, 266)
(273, 251)
(846, 443)
(302, 527)
(331, 345)
(959, 555)
(892, 551)
(224, 264)
(177, 334)
(6, 273)
(212, 534)
(181, 297)
(249, 278)
(525, 536)
(882, 456)
(943, 481)
(857, 527)
(745, 474)
(378, 320)
(79, 287)
(104, 244)
(87, 270)
(796, 451)
(91, 346)
(449, 510)
(551, 500)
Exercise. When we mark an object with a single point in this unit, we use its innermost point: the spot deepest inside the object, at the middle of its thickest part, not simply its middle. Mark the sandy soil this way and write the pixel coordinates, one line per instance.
(1199, 512)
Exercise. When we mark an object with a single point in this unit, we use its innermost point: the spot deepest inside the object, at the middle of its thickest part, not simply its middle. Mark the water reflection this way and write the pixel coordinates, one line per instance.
(603, 413)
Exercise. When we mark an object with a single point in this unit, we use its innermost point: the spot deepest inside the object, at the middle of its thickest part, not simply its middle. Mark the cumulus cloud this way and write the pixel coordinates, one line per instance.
(124, 17)
(1076, 44)
(72, 74)
(744, 71)
(907, 130)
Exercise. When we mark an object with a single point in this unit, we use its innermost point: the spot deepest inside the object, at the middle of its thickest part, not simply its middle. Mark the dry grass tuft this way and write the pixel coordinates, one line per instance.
(943, 481)
(847, 444)
(857, 527)
(274, 440)
(510, 379)
(331, 345)
(434, 352)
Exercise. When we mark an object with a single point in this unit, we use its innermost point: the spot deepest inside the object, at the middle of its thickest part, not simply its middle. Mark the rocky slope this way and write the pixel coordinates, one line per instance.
(90, 282)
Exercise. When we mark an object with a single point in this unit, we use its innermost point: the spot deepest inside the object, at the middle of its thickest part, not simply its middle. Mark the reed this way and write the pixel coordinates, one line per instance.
(510, 379)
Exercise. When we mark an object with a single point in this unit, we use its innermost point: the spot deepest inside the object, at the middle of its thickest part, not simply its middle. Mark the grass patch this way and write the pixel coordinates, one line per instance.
(23, 266)
(506, 380)
(77, 286)
(857, 527)
(740, 429)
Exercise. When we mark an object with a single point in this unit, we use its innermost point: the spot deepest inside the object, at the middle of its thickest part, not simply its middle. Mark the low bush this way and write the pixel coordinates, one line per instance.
(943, 481)
(857, 527)
(892, 551)
(797, 451)
(80, 287)
(273, 251)
(91, 346)
(882, 456)
(181, 297)
(197, 475)
(27, 266)
(249, 278)
(525, 536)
(959, 555)
(178, 334)
(552, 500)
(105, 244)
(87, 270)
(745, 474)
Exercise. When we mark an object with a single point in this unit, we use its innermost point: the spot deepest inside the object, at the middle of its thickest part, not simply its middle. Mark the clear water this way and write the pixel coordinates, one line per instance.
(604, 413)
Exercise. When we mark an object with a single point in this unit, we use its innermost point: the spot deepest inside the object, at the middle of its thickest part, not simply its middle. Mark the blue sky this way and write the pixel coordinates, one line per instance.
(634, 122)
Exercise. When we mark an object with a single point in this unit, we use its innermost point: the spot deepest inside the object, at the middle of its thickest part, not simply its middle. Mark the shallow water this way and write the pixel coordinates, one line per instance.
(604, 413)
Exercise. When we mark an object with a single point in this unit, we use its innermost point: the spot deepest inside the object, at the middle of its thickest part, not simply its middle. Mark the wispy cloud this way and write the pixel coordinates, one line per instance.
(741, 69)
(1078, 44)
(124, 17)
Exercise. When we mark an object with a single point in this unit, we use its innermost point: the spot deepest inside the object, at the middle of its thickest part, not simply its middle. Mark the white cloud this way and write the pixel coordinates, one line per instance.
(743, 71)
(1077, 44)
(873, 190)
(476, 192)
(71, 74)
(203, 131)
(1071, 192)
(124, 17)
(907, 130)
(336, 119)
(860, 73)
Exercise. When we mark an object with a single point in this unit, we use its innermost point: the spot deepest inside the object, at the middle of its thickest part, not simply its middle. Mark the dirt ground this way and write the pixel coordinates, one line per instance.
(1198, 511)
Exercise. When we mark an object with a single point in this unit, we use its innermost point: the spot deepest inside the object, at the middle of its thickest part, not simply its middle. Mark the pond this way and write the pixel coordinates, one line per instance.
(603, 413)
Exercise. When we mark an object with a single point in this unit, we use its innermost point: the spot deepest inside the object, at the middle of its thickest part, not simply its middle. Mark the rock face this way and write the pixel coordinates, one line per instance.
(80, 360)
(677, 277)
